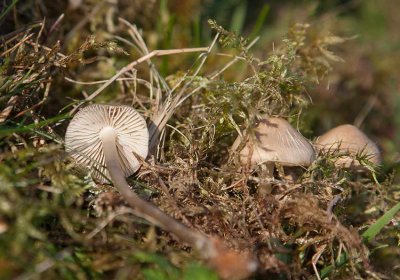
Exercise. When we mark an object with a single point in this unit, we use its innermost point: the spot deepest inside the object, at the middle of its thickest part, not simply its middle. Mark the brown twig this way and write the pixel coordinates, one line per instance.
(23, 40)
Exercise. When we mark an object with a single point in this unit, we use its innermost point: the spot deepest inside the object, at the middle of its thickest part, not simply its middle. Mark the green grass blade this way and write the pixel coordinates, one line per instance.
(5, 11)
(238, 17)
(368, 235)
(6, 130)
(328, 269)
(375, 228)
(262, 16)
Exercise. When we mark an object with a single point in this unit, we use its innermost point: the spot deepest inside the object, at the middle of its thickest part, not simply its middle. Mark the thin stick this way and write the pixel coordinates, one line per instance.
(23, 40)
(331, 205)
(140, 60)
(10, 106)
(36, 44)
(141, 47)
(234, 60)
(170, 105)
(97, 82)
(60, 18)
(108, 219)
(362, 115)
(39, 34)
(198, 68)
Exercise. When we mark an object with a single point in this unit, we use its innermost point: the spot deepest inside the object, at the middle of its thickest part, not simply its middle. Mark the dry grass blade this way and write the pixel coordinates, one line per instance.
(145, 58)
(160, 118)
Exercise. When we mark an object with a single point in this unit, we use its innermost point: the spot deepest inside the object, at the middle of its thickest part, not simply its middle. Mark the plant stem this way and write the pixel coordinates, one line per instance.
(147, 210)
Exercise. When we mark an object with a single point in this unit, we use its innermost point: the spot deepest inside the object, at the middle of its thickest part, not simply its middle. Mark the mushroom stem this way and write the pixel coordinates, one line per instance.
(108, 136)
(267, 171)
(123, 135)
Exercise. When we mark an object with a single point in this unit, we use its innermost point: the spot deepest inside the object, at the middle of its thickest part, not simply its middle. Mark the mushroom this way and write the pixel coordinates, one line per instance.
(276, 141)
(74, 4)
(109, 139)
(350, 140)
(118, 131)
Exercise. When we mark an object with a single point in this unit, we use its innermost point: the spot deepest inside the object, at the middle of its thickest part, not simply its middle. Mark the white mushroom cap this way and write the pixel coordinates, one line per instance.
(349, 139)
(277, 141)
(84, 144)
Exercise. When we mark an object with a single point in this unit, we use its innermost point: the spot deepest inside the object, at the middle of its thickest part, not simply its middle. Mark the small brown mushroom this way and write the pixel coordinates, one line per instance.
(276, 141)
(74, 4)
(350, 140)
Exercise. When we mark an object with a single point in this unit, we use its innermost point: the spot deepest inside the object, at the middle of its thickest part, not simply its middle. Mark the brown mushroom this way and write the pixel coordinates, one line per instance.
(350, 140)
(276, 141)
